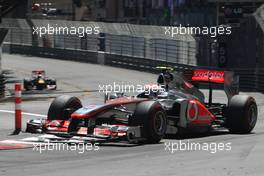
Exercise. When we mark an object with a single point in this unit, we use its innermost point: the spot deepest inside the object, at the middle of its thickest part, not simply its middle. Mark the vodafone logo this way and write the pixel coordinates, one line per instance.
(209, 75)
(192, 111)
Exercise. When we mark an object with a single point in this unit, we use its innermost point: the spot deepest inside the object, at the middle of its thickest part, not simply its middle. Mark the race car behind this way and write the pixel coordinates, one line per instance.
(39, 81)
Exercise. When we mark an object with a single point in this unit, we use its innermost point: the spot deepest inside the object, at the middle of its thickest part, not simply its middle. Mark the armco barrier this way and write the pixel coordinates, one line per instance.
(142, 64)
(250, 79)
(64, 54)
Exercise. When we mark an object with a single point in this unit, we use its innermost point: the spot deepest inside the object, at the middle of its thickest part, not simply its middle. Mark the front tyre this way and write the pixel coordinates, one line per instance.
(52, 83)
(62, 107)
(153, 119)
(241, 114)
(27, 84)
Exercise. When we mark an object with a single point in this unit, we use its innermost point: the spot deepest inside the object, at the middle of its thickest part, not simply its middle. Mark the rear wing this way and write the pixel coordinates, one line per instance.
(213, 76)
(38, 72)
(229, 79)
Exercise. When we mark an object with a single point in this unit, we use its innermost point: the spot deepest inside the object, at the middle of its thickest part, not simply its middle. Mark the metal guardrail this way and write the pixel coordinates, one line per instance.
(250, 79)
(63, 54)
(142, 64)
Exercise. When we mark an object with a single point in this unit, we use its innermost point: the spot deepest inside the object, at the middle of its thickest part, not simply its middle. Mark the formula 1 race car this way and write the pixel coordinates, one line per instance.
(175, 105)
(39, 81)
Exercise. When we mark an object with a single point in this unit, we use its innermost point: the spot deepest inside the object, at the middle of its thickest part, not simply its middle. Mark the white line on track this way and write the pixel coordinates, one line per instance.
(24, 113)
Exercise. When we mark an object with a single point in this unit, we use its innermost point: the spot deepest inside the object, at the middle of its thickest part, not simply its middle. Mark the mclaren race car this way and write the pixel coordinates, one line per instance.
(175, 106)
(39, 81)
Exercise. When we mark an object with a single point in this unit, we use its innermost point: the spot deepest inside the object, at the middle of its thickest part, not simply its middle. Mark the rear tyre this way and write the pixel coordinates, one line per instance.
(27, 84)
(52, 82)
(62, 107)
(153, 119)
(241, 114)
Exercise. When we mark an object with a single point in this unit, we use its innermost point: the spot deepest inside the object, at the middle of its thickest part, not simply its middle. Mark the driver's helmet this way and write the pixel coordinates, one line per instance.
(165, 78)
(168, 77)
(39, 76)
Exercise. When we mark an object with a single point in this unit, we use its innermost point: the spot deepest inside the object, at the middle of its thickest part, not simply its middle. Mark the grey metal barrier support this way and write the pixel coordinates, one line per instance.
(133, 43)
(2, 85)
(144, 52)
(101, 44)
(121, 45)
(21, 37)
(76, 43)
(155, 48)
(110, 46)
(166, 50)
(64, 41)
(11, 40)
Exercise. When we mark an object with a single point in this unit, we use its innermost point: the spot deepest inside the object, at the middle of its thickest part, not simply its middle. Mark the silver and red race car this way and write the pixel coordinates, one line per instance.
(39, 81)
(176, 106)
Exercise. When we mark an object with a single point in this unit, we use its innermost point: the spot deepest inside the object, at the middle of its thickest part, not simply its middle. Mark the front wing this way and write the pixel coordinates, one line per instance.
(103, 133)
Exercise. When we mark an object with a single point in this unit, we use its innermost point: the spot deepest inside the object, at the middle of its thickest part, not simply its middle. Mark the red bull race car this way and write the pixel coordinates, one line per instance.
(175, 105)
(39, 81)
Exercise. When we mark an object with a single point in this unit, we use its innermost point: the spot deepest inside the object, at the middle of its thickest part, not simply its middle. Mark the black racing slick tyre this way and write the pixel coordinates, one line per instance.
(52, 82)
(241, 114)
(62, 107)
(153, 119)
(27, 84)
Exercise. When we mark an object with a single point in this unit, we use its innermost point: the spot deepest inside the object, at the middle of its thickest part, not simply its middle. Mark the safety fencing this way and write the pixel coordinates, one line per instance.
(155, 48)
(121, 39)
